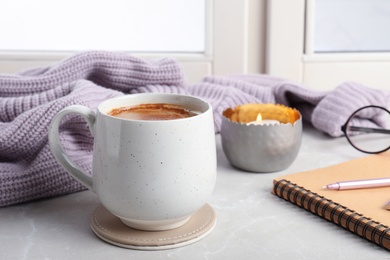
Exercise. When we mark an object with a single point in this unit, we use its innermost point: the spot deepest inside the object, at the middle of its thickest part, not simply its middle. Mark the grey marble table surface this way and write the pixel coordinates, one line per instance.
(251, 222)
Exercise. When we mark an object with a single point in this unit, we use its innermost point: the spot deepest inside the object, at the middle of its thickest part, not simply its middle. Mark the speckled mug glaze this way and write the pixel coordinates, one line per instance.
(153, 175)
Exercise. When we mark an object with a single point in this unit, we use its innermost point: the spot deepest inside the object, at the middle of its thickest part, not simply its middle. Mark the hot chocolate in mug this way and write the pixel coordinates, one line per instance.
(152, 174)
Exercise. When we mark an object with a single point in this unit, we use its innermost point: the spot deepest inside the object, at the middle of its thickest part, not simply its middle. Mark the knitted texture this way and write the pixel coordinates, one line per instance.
(29, 100)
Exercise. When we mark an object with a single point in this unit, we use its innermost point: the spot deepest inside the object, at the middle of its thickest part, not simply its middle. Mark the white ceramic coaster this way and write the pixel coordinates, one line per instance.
(110, 229)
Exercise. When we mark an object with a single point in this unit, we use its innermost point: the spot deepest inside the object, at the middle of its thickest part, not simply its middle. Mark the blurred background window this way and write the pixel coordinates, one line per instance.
(115, 25)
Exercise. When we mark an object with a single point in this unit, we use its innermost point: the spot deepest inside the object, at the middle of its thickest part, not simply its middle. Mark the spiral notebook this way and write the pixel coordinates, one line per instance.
(360, 211)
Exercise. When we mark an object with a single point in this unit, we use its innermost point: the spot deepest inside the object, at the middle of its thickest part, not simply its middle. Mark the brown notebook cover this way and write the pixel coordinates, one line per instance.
(360, 211)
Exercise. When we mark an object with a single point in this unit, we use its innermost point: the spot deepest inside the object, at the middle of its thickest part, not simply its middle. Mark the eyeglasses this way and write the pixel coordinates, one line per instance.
(368, 129)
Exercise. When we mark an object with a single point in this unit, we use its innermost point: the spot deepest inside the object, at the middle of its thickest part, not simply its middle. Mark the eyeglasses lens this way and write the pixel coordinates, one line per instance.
(369, 129)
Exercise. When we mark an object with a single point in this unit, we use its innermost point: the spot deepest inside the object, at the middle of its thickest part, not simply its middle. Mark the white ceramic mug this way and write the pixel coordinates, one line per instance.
(153, 175)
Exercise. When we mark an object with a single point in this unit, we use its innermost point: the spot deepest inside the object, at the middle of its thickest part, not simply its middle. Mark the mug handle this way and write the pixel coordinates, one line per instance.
(56, 148)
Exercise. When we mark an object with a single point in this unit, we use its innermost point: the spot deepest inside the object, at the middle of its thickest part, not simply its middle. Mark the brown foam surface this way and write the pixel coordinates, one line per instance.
(110, 229)
(158, 111)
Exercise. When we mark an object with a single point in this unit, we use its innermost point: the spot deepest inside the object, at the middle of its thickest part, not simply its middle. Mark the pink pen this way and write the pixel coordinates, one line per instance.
(387, 205)
(358, 184)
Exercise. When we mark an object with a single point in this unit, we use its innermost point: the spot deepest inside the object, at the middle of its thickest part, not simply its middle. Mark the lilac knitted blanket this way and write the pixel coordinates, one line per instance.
(29, 100)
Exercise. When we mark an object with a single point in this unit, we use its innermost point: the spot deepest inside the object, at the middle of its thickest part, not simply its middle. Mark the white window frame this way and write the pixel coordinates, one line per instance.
(233, 44)
(289, 53)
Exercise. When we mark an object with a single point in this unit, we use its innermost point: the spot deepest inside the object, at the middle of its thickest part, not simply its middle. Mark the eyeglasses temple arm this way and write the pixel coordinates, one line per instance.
(369, 129)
